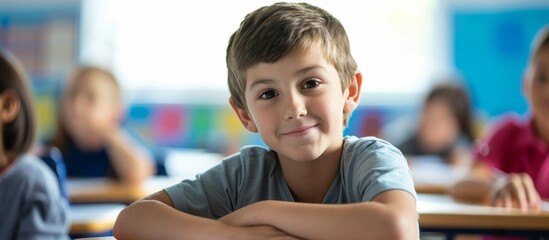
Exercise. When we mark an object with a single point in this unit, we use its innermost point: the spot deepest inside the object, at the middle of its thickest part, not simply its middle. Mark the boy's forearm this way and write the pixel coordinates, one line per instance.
(150, 219)
(368, 220)
(350, 221)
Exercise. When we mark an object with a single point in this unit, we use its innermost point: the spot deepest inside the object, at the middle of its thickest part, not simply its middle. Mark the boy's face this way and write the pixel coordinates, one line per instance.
(537, 86)
(296, 104)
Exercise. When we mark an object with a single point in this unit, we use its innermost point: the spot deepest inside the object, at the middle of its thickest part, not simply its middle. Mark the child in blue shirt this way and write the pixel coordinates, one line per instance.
(293, 80)
(89, 132)
(31, 206)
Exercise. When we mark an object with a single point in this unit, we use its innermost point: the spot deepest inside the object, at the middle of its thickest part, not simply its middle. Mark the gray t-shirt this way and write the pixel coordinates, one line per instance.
(368, 167)
(31, 206)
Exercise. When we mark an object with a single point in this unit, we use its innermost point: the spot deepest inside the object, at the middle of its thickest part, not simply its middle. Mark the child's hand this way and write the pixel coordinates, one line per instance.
(515, 190)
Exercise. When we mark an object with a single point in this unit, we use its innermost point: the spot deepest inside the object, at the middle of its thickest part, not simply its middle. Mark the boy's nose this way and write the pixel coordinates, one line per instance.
(295, 108)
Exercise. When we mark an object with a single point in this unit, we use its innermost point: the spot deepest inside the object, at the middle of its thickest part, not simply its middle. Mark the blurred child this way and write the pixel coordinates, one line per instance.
(89, 132)
(445, 126)
(31, 204)
(512, 167)
(293, 80)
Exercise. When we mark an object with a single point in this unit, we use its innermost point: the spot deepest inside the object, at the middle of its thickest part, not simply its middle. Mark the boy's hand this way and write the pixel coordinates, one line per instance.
(515, 190)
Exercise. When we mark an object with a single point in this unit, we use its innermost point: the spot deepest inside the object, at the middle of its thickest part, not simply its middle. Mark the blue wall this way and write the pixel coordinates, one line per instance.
(491, 49)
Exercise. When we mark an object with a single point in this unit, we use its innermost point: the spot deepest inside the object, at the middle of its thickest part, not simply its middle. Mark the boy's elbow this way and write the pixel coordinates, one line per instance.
(405, 227)
(120, 229)
(122, 226)
(399, 226)
(125, 225)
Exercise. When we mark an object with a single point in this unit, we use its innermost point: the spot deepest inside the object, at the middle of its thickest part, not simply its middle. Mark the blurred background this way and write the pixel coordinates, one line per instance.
(170, 59)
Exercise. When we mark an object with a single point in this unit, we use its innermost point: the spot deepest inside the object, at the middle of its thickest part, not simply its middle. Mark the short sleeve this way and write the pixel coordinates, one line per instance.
(376, 166)
(211, 195)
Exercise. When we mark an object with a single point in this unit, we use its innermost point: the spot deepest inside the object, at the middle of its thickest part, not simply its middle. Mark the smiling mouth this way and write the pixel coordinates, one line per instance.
(299, 131)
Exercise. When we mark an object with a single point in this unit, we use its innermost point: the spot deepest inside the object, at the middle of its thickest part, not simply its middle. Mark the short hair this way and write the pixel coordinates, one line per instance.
(18, 135)
(272, 32)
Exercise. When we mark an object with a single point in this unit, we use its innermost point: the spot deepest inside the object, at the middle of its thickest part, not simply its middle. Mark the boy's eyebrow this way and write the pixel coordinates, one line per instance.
(305, 70)
(297, 73)
(261, 81)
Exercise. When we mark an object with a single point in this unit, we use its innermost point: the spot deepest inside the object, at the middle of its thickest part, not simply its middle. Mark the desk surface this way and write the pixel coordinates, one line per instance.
(432, 175)
(441, 211)
(93, 218)
(435, 211)
(101, 190)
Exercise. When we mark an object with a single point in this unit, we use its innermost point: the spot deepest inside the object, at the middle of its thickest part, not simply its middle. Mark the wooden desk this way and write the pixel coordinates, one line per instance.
(102, 190)
(437, 213)
(432, 175)
(431, 188)
(440, 213)
(92, 219)
(181, 163)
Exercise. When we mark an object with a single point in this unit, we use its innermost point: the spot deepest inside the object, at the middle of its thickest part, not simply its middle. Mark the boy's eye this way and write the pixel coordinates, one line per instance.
(268, 94)
(310, 84)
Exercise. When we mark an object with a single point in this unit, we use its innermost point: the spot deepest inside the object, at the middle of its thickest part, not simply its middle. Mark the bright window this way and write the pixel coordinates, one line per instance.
(161, 47)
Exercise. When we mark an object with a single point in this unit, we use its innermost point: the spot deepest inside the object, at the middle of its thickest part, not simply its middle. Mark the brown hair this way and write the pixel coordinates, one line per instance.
(18, 135)
(272, 32)
(458, 100)
(541, 40)
(73, 87)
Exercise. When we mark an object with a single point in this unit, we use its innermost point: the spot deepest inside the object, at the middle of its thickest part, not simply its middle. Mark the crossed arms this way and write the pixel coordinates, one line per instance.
(390, 215)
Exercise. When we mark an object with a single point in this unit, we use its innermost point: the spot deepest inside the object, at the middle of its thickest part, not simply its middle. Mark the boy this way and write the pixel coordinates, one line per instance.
(292, 80)
(512, 167)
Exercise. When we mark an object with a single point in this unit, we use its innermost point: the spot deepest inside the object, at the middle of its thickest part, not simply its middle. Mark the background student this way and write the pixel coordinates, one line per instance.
(89, 132)
(296, 85)
(31, 204)
(445, 127)
(512, 167)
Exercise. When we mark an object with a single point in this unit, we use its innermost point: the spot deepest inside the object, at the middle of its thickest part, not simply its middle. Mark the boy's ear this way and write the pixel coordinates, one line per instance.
(243, 116)
(353, 96)
(9, 106)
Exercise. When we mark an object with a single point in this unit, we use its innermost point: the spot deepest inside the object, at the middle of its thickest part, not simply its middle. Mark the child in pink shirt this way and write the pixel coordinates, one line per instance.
(512, 168)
